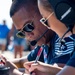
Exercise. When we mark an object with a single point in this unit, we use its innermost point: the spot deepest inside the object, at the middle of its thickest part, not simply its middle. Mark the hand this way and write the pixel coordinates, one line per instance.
(37, 68)
(27, 66)
(2, 60)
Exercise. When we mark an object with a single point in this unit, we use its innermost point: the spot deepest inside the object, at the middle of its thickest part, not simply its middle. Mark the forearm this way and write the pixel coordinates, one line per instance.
(67, 70)
(13, 69)
(42, 67)
(11, 65)
(19, 62)
(53, 70)
(50, 69)
(16, 72)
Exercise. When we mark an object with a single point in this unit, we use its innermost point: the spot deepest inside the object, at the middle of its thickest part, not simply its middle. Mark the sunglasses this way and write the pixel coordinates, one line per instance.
(29, 27)
(44, 21)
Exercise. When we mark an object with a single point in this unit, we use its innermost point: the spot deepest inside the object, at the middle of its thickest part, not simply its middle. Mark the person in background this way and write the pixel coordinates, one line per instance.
(60, 28)
(4, 33)
(19, 43)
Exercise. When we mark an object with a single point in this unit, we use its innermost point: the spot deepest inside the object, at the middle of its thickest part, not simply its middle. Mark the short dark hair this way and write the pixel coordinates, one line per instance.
(18, 4)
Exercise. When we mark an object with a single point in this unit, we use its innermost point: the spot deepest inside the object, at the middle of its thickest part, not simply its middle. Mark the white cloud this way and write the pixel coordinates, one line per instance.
(4, 11)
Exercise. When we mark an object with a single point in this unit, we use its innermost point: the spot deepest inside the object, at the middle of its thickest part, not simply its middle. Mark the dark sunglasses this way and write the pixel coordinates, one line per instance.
(29, 27)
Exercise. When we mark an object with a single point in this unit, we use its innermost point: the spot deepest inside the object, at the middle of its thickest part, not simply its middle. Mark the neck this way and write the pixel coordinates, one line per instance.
(49, 35)
(41, 41)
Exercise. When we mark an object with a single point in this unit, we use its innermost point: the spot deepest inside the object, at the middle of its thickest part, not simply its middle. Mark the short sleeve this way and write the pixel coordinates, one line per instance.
(33, 54)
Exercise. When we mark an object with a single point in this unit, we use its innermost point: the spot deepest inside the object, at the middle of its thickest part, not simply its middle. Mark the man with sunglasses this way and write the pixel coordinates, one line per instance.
(29, 26)
(26, 18)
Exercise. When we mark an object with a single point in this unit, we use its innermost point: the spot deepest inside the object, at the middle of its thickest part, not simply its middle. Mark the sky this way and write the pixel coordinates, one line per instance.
(4, 12)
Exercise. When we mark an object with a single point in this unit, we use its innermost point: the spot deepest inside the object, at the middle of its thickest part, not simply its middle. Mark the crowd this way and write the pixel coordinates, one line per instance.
(40, 18)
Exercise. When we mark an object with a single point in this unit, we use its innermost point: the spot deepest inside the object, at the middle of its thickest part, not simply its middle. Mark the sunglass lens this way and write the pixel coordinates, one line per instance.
(20, 34)
(44, 21)
(28, 28)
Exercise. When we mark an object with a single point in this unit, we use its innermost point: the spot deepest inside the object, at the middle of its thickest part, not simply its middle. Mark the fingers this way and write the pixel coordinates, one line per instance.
(32, 66)
(26, 71)
(27, 65)
(2, 59)
(38, 66)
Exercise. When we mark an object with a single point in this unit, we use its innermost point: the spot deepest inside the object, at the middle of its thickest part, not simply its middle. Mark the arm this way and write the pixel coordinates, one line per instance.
(13, 68)
(30, 57)
(67, 70)
(20, 61)
(42, 67)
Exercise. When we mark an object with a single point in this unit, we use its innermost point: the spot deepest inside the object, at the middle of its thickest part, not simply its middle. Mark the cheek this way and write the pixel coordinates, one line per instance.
(36, 34)
(30, 36)
(48, 24)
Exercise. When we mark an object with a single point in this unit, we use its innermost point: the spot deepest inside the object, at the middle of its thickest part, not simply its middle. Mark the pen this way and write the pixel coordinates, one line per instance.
(38, 55)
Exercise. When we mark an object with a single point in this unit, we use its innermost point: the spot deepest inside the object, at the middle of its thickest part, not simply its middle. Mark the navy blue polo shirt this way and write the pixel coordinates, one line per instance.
(33, 53)
(55, 55)
(63, 54)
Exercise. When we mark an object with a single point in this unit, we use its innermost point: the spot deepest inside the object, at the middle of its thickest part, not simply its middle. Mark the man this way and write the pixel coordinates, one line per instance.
(26, 20)
(27, 17)
(22, 17)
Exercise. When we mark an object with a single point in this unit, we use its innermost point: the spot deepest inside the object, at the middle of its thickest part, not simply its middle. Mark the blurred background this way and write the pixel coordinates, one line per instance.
(4, 11)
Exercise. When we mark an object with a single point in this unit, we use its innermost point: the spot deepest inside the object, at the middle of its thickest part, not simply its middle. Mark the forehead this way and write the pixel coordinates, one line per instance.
(21, 17)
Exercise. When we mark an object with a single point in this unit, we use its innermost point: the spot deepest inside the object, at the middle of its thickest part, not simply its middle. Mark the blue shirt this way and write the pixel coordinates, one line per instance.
(33, 54)
(53, 56)
(4, 30)
(61, 54)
